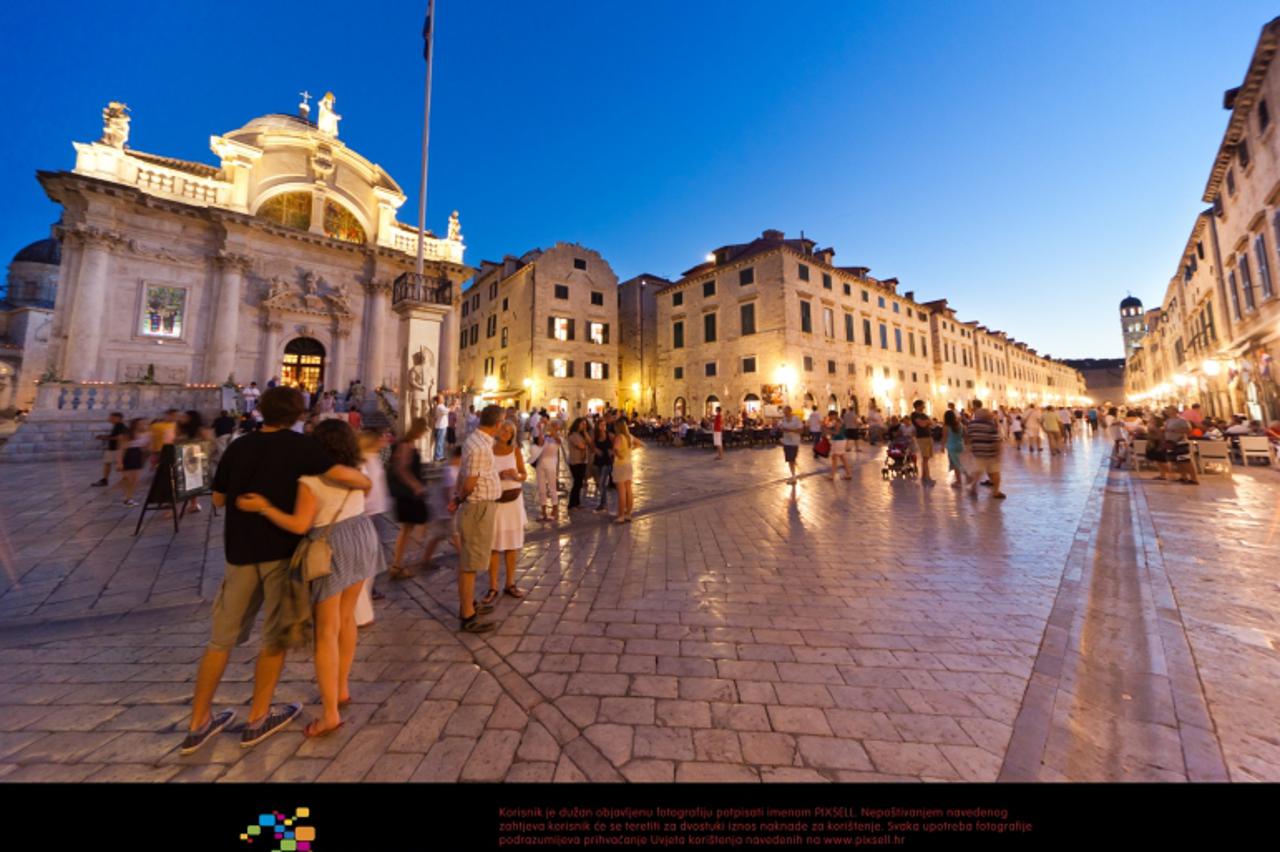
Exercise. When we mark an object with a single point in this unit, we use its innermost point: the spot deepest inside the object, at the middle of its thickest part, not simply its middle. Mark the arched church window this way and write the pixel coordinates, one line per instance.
(291, 209)
(341, 224)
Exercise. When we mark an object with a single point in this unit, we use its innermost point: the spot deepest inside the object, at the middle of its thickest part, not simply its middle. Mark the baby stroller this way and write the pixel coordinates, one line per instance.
(899, 459)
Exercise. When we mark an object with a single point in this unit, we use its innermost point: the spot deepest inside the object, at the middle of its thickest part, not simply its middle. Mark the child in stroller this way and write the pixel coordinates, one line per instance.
(900, 457)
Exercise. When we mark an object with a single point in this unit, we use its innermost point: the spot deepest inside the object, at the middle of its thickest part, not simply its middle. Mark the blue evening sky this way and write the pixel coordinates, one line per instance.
(1029, 161)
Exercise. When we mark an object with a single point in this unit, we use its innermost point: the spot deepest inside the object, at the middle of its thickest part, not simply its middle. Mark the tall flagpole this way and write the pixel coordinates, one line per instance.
(426, 136)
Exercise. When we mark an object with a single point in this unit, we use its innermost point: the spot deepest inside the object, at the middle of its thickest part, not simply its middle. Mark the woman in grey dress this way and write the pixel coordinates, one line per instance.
(357, 555)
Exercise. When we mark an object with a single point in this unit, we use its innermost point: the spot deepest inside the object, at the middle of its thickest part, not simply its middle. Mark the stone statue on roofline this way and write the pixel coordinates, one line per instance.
(328, 119)
(115, 125)
(455, 228)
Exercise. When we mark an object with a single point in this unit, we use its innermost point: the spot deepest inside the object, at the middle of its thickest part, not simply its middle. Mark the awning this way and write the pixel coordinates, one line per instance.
(501, 394)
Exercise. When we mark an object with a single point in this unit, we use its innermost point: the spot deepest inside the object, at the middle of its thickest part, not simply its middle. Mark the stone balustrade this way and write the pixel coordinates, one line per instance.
(411, 287)
(405, 239)
(68, 415)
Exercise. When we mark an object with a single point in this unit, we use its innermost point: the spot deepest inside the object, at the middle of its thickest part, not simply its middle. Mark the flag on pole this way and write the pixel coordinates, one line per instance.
(426, 34)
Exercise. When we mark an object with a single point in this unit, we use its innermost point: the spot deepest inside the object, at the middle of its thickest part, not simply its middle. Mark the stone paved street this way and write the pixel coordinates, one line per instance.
(1096, 625)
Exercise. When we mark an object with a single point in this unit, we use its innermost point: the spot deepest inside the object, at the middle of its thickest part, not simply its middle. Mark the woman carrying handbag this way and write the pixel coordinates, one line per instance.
(337, 524)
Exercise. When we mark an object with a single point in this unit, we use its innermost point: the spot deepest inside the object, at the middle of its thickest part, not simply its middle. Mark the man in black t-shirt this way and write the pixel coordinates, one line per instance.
(268, 462)
(223, 424)
(114, 439)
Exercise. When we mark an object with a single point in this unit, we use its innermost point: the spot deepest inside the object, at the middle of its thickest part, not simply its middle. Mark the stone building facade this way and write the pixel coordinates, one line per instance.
(638, 343)
(1216, 336)
(276, 262)
(955, 371)
(541, 331)
(775, 322)
(26, 317)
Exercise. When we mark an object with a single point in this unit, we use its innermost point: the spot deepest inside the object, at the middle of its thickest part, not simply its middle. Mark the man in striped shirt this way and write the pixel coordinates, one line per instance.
(982, 438)
(478, 487)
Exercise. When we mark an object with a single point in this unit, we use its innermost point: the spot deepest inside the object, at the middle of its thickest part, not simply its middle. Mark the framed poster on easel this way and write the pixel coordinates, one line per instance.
(181, 474)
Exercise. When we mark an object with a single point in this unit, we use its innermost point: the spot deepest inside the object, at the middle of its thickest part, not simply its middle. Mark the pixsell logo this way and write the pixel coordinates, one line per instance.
(277, 832)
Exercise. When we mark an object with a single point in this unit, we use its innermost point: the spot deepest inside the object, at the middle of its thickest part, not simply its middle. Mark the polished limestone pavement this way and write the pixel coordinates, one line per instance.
(1096, 625)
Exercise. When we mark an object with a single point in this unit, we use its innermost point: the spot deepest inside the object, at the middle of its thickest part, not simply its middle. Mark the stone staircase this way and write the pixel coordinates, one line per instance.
(66, 437)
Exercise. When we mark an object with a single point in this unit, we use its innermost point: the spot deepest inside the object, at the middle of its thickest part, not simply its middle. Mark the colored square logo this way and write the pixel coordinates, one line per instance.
(255, 829)
(267, 819)
(288, 846)
(306, 832)
(303, 812)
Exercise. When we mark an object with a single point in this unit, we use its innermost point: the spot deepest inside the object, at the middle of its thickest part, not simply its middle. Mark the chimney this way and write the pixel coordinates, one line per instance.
(826, 255)
(911, 295)
(773, 235)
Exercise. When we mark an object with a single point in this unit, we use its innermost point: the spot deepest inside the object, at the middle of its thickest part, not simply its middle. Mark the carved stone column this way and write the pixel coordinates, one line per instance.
(89, 313)
(221, 359)
(271, 328)
(421, 306)
(336, 375)
(373, 361)
(449, 351)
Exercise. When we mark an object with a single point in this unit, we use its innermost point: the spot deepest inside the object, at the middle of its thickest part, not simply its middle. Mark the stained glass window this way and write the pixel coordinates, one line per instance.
(341, 224)
(291, 209)
(163, 310)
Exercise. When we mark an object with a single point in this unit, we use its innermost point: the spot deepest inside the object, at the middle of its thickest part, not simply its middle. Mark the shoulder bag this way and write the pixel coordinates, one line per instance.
(314, 555)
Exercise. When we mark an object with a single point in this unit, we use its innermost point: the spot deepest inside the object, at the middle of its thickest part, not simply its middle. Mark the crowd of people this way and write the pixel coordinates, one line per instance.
(297, 474)
(300, 479)
(1168, 435)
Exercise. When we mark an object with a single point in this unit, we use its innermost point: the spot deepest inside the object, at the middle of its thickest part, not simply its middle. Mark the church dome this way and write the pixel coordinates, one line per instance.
(1130, 302)
(278, 121)
(47, 251)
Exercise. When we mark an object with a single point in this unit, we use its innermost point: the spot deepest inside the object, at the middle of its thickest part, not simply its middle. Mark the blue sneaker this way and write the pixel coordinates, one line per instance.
(196, 739)
(278, 718)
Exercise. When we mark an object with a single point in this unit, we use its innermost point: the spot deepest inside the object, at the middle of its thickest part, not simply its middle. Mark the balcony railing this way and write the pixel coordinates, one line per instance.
(412, 287)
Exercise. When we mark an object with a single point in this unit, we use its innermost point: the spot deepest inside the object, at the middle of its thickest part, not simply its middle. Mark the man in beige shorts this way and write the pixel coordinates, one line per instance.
(476, 507)
(267, 462)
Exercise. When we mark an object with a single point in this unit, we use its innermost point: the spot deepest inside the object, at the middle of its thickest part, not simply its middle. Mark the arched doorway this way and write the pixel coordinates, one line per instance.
(853, 403)
(713, 402)
(810, 404)
(751, 404)
(679, 407)
(833, 404)
(303, 365)
(558, 408)
(597, 406)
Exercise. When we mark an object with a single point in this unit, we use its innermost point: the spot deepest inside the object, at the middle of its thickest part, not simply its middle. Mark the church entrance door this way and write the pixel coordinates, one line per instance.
(303, 365)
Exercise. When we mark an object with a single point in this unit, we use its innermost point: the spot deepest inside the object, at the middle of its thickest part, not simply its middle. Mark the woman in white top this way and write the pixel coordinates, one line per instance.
(338, 514)
(509, 522)
(376, 502)
(546, 461)
(623, 444)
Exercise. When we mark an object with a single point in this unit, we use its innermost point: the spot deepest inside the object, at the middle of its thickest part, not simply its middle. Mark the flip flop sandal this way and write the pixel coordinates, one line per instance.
(475, 625)
(489, 597)
(307, 731)
(513, 591)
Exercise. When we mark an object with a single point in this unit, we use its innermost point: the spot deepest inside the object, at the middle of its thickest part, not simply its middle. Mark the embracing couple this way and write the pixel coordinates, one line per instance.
(279, 486)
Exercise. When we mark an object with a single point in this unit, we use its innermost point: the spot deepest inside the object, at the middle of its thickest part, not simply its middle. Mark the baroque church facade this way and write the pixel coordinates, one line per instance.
(276, 263)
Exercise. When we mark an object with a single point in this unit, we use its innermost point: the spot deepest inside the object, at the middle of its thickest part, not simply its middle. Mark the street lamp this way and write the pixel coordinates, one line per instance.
(1211, 367)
